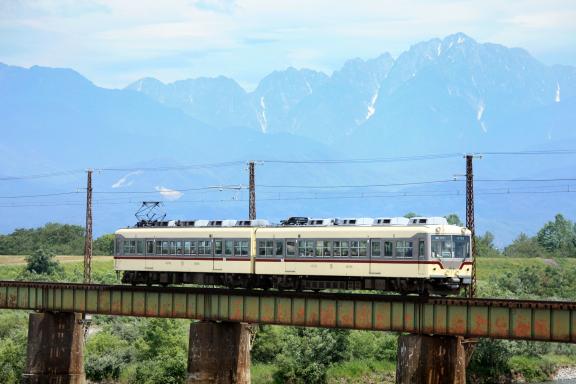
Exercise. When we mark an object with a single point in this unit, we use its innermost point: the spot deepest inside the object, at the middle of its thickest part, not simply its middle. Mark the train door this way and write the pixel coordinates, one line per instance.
(217, 252)
(150, 253)
(422, 258)
(291, 253)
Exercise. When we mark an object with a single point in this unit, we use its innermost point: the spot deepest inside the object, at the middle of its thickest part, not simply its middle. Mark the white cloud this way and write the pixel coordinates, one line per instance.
(124, 181)
(169, 194)
(114, 42)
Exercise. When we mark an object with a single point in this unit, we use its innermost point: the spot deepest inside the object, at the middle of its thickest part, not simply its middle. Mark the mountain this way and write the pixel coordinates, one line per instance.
(451, 95)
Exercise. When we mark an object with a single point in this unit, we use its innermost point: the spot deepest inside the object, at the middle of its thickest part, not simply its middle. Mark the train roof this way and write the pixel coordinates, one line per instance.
(424, 224)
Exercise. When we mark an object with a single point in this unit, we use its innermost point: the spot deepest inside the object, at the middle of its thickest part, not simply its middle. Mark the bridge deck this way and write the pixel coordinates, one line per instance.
(494, 318)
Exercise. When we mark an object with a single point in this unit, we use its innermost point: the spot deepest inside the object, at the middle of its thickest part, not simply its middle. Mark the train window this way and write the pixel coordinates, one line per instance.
(172, 247)
(388, 249)
(218, 247)
(158, 247)
(376, 248)
(442, 246)
(323, 248)
(193, 249)
(244, 247)
(403, 249)
(118, 247)
(306, 248)
(241, 247)
(186, 247)
(341, 248)
(461, 246)
(228, 247)
(279, 248)
(127, 247)
(261, 248)
(354, 248)
(266, 247)
(140, 247)
(204, 248)
(165, 247)
(421, 248)
(150, 247)
(290, 247)
(362, 248)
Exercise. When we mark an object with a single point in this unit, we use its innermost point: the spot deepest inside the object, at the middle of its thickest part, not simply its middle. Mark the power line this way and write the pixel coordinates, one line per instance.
(41, 175)
(298, 198)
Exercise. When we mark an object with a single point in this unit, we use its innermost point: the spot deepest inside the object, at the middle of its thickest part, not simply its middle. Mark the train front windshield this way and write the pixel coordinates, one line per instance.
(450, 247)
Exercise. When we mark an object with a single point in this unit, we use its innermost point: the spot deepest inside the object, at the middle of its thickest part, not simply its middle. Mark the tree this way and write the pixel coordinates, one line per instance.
(485, 246)
(558, 236)
(42, 262)
(410, 215)
(307, 354)
(524, 246)
(104, 245)
(453, 219)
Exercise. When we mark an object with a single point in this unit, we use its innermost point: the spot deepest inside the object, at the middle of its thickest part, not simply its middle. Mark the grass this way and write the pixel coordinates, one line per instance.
(494, 267)
(102, 267)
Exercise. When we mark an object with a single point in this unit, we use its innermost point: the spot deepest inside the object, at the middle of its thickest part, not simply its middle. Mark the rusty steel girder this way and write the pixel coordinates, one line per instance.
(493, 318)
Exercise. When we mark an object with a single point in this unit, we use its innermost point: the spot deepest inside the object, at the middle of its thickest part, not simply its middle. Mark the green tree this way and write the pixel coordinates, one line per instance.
(485, 246)
(307, 353)
(524, 246)
(489, 362)
(104, 245)
(410, 215)
(453, 219)
(42, 262)
(558, 236)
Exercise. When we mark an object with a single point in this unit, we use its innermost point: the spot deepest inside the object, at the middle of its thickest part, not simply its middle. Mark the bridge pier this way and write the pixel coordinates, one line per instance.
(424, 359)
(219, 353)
(55, 353)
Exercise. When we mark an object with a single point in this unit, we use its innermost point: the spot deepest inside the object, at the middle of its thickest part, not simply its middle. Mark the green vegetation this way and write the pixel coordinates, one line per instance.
(154, 351)
(60, 239)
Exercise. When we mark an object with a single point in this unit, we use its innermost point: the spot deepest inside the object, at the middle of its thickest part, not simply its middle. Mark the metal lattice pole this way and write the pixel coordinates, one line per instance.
(252, 207)
(470, 219)
(88, 238)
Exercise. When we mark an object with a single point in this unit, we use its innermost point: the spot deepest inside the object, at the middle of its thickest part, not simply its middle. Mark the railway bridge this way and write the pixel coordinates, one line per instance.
(432, 348)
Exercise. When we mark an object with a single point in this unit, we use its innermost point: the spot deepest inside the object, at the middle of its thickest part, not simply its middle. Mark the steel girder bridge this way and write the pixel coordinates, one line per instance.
(469, 318)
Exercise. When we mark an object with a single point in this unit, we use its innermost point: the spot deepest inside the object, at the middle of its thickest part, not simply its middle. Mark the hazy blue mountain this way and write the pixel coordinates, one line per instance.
(216, 101)
(444, 95)
(279, 93)
(457, 93)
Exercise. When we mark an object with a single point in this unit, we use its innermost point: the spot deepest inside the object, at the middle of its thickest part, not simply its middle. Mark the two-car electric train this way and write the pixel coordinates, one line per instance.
(417, 255)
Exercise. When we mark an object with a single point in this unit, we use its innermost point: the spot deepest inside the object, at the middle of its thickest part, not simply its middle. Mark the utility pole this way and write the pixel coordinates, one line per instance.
(252, 206)
(88, 239)
(470, 219)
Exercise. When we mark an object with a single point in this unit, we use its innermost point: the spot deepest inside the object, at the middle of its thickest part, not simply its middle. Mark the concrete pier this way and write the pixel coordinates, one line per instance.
(430, 360)
(55, 353)
(219, 353)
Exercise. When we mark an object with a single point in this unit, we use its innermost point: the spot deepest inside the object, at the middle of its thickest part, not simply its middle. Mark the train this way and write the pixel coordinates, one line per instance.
(420, 255)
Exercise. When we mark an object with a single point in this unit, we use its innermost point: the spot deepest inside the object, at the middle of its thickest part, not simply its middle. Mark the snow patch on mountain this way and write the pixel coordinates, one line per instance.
(262, 116)
(371, 106)
(125, 180)
(480, 110)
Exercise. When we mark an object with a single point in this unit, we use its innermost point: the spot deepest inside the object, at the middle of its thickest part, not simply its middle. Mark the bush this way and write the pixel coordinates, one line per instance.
(489, 362)
(42, 262)
(307, 354)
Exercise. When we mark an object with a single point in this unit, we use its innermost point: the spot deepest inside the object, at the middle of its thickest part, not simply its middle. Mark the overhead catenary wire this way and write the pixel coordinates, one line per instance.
(572, 189)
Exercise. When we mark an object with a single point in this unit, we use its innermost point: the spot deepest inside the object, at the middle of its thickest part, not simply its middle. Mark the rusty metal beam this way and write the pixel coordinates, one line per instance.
(494, 318)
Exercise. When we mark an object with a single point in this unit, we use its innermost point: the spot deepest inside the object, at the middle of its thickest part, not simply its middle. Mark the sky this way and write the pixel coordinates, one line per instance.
(116, 42)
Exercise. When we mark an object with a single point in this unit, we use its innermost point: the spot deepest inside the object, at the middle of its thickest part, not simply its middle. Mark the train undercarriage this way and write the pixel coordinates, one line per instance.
(299, 283)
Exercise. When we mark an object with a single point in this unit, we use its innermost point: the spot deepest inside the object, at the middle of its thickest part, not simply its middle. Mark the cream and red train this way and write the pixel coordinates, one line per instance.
(393, 254)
